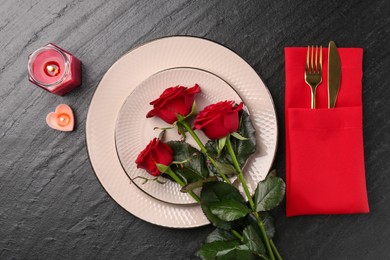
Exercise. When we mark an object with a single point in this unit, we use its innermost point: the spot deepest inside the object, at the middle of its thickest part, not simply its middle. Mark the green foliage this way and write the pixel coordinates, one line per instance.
(244, 145)
(269, 193)
(193, 163)
(222, 244)
(217, 199)
(252, 240)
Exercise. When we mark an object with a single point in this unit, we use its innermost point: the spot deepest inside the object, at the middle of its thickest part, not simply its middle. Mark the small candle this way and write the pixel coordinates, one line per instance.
(54, 69)
(61, 119)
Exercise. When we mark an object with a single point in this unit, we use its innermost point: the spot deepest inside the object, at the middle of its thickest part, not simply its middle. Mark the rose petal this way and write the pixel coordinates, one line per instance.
(173, 101)
(155, 152)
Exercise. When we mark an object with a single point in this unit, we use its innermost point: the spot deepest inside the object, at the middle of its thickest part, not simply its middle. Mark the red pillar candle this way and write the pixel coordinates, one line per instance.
(54, 69)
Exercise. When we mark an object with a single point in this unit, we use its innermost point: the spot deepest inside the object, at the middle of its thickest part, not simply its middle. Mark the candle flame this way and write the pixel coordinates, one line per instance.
(63, 119)
(52, 69)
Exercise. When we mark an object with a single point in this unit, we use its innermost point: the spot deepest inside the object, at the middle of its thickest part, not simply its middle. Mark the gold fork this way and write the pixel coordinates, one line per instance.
(313, 71)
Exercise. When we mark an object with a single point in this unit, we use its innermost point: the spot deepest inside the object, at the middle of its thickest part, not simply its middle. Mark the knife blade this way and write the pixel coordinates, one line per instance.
(334, 74)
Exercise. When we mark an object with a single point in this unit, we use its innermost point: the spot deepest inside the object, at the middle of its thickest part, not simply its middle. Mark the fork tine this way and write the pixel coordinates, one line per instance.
(307, 58)
(311, 59)
(320, 59)
(316, 61)
(313, 72)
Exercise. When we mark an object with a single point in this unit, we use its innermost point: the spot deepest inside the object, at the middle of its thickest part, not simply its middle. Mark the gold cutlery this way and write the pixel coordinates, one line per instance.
(313, 71)
(334, 74)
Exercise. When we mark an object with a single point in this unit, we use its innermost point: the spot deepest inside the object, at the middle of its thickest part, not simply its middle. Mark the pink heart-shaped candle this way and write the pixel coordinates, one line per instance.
(62, 119)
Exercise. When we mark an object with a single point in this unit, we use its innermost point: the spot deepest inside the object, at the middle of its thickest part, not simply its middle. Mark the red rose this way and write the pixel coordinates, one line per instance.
(174, 100)
(155, 152)
(218, 120)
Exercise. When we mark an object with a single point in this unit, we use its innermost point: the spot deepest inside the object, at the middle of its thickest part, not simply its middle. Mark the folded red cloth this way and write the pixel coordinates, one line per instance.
(325, 171)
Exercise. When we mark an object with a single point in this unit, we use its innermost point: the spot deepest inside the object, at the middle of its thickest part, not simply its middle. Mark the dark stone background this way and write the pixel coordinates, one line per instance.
(51, 204)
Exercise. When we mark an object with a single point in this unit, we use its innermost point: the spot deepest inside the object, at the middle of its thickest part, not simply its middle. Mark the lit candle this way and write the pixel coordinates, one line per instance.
(54, 69)
(61, 119)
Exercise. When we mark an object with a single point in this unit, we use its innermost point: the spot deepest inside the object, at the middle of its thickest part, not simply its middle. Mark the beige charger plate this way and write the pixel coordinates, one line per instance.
(130, 71)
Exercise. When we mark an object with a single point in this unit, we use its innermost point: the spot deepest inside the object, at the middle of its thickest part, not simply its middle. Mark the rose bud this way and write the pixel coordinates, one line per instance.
(174, 100)
(218, 120)
(156, 152)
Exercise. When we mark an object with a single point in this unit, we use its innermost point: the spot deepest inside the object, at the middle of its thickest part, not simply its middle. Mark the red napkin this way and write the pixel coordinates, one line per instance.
(324, 147)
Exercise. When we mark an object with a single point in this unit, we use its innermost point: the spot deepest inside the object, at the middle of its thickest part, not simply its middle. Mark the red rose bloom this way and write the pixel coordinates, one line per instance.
(174, 100)
(155, 152)
(218, 120)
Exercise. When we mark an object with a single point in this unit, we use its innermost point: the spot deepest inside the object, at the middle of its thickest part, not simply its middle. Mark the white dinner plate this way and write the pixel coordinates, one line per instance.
(134, 131)
(130, 71)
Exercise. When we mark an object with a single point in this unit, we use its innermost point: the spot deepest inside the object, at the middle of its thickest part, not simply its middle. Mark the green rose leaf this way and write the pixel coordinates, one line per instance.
(244, 148)
(198, 184)
(238, 136)
(272, 173)
(193, 167)
(238, 253)
(268, 222)
(269, 193)
(220, 235)
(229, 210)
(252, 240)
(215, 196)
(226, 168)
(223, 236)
(209, 251)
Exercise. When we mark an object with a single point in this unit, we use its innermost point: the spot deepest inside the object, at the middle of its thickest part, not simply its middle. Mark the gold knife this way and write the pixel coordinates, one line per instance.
(334, 74)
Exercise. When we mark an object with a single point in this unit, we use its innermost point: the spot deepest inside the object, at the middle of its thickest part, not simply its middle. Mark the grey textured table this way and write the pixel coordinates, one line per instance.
(52, 205)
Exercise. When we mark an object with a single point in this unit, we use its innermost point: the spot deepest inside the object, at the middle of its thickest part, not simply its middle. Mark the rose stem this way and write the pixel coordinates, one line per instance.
(240, 174)
(236, 234)
(203, 149)
(181, 183)
(278, 256)
(248, 195)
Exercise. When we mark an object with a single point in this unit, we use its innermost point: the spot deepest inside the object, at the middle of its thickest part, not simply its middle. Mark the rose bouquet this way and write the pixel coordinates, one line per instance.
(244, 227)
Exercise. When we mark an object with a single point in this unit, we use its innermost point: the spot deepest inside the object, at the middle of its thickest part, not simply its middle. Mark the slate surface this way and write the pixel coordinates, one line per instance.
(51, 204)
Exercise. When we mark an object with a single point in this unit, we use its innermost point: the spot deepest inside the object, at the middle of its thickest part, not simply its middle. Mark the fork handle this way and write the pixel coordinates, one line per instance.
(313, 98)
